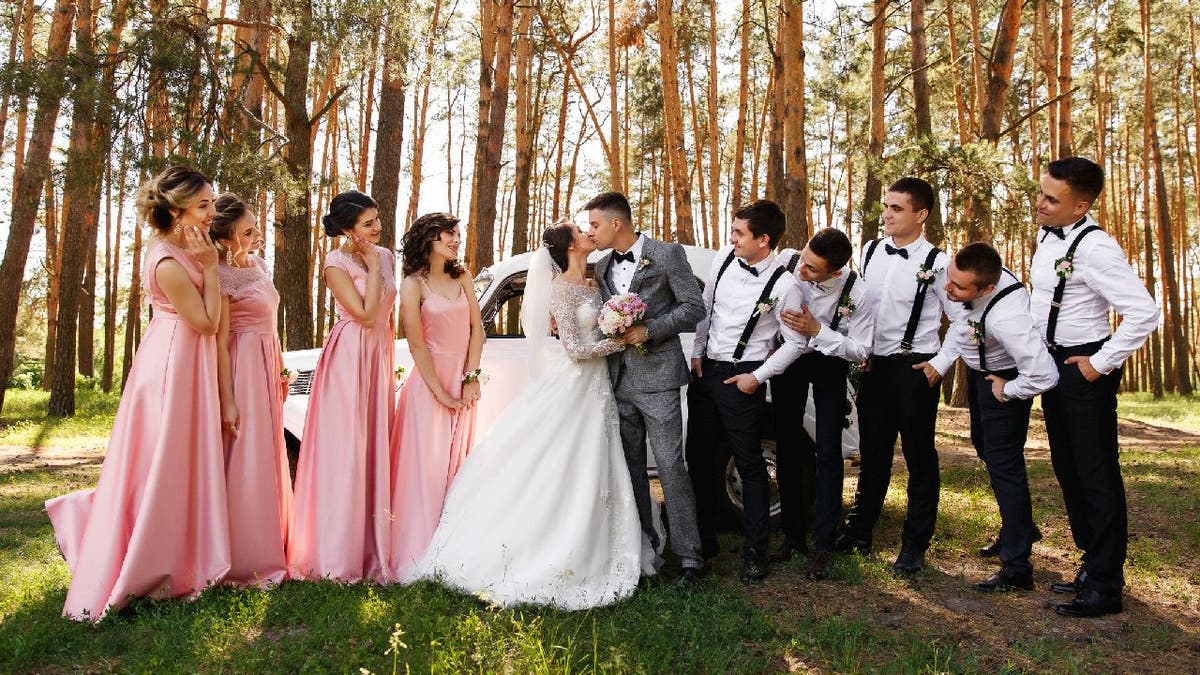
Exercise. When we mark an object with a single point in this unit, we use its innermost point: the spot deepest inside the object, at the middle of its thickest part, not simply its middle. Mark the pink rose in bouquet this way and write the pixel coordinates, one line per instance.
(620, 313)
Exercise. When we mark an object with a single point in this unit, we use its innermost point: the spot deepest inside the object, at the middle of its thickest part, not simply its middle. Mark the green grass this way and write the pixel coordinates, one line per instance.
(860, 620)
(1181, 412)
(24, 421)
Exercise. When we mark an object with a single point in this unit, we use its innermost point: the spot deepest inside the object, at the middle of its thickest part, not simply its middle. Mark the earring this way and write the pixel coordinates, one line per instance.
(228, 256)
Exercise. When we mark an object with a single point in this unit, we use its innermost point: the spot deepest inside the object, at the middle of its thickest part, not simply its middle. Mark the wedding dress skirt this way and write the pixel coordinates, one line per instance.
(542, 510)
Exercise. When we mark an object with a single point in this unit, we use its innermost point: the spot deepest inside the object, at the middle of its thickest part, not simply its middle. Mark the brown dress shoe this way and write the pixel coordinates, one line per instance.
(787, 550)
(818, 565)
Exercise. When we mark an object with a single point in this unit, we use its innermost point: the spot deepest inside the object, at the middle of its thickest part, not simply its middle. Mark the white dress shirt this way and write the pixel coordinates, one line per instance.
(727, 314)
(620, 273)
(892, 281)
(1010, 341)
(852, 339)
(1102, 278)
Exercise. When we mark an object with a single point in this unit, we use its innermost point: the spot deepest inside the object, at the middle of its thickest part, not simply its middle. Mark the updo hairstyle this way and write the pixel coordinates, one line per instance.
(175, 188)
(344, 211)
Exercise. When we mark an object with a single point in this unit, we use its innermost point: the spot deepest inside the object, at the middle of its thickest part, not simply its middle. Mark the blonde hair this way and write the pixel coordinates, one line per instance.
(175, 188)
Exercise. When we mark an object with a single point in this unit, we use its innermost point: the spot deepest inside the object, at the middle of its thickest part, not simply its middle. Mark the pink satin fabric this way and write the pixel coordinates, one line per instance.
(339, 527)
(429, 441)
(256, 465)
(156, 524)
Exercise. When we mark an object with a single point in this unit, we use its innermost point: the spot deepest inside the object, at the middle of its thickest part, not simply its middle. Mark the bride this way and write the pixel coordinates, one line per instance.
(542, 510)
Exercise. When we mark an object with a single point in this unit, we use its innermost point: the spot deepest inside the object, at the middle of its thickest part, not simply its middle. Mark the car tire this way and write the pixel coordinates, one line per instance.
(730, 513)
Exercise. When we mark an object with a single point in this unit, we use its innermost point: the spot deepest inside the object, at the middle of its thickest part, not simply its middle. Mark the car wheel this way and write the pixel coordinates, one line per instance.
(733, 487)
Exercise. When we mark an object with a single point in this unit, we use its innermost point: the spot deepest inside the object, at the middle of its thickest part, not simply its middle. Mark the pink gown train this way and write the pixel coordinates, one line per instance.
(156, 524)
(429, 441)
(256, 465)
(339, 526)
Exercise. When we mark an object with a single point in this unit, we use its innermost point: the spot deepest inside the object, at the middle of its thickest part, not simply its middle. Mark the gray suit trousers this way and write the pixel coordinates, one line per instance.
(657, 415)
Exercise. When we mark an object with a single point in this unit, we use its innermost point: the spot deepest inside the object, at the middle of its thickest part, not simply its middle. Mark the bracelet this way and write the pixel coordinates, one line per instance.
(476, 375)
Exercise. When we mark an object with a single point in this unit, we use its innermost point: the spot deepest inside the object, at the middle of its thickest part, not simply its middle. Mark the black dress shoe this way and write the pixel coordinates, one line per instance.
(847, 544)
(1090, 603)
(1004, 581)
(908, 563)
(818, 565)
(1069, 587)
(790, 548)
(991, 550)
(753, 569)
(691, 575)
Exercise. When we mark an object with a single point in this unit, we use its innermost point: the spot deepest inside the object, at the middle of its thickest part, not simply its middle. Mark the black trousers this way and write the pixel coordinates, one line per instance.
(810, 471)
(998, 432)
(894, 399)
(1081, 421)
(716, 412)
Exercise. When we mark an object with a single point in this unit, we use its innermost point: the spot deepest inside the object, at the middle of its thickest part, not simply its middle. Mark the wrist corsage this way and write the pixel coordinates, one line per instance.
(476, 375)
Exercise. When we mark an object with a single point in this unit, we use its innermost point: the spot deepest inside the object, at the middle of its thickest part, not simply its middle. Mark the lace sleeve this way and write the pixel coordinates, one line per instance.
(580, 342)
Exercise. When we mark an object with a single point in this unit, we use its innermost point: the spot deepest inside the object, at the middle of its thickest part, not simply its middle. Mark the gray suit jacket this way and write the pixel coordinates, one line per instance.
(674, 306)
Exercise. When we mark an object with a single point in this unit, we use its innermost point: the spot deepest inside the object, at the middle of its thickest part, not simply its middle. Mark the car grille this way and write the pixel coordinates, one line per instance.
(303, 383)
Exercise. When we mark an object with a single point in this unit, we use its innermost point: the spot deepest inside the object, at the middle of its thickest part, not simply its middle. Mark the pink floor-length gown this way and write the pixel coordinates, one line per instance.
(156, 524)
(429, 441)
(339, 525)
(256, 464)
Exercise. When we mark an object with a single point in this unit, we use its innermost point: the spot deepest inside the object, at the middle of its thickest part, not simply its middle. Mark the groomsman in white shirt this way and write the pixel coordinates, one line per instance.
(731, 359)
(838, 320)
(1007, 366)
(906, 275)
(1078, 273)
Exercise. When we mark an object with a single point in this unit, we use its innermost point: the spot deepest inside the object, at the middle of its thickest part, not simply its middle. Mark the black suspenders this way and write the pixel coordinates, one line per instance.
(983, 319)
(1056, 302)
(755, 315)
(837, 315)
(910, 331)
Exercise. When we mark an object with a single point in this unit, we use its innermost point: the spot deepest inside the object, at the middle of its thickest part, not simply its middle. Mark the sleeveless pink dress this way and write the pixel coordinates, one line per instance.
(429, 441)
(256, 464)
(156, 524)
(339, 526)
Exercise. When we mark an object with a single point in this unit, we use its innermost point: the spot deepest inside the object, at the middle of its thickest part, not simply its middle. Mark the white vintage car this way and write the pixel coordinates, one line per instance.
(499, 289)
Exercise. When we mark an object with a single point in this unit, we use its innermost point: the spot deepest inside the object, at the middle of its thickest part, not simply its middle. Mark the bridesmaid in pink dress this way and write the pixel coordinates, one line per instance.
(249, 377)
(340, 524)
(436, 412)
(156, 524)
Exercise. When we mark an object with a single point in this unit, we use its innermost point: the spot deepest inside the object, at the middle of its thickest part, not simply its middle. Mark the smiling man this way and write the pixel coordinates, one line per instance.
(1078, 273)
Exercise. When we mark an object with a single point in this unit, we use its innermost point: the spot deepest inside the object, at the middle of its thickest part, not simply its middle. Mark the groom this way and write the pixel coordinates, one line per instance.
(647, 385)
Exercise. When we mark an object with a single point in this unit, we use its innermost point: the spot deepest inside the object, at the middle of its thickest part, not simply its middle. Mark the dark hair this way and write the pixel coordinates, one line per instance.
(765, 217)
(981, 260)
(175, 188)
(611, 201)
(344, 210)
(417, 243)
(230, 209)
(557, 239)
(919, 191)
(1085, 177)
(832, 246)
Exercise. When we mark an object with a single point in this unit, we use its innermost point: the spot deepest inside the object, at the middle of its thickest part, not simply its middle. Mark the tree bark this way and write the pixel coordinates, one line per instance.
(1066, 53)
(493, 106)
(524, 131)
(874, 188)
(934, 229)
(681, 189)
(796, 189)
(385, 179)
(418, 141)
(246, 87)
(739, 143)
(34, 171)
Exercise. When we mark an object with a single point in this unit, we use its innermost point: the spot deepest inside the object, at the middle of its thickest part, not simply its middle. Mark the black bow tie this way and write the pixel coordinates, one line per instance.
(749, 268)
(623, 257)
(892, 250)
(968, 305)
(1056, 231)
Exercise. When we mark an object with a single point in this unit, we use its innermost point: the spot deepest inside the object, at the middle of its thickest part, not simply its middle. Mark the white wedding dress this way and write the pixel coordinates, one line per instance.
(542, 510)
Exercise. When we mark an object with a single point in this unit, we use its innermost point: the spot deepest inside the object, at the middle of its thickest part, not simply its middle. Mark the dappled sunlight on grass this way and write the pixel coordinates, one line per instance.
(1170, 410)
(24, 421)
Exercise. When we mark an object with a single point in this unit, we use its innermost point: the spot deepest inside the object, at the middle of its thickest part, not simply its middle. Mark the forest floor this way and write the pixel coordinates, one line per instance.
(860, 620)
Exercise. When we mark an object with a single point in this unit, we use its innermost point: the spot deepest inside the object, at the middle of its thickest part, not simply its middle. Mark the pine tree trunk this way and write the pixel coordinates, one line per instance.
(84, 149)
(739, 143)
(681, 189)
(246, 88)
(523, 170)
(53, 266)
(796, 189)
(494, 76)
(934, 229)
(27, 195)
(1066, 52)
(418, 141)
(874, 189)
(385, 180)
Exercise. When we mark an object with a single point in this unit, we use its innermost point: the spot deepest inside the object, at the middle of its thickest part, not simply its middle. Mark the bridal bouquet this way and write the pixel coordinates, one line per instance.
(620, 313)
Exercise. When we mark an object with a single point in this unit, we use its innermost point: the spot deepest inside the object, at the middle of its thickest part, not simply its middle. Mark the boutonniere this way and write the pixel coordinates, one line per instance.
(1064, 267)
(844, 307)
(644, 262)
(765, 306)
(926, 275)
(976, 327)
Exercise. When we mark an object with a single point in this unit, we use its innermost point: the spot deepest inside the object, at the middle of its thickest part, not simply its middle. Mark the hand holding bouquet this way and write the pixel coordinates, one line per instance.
(620, 313)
